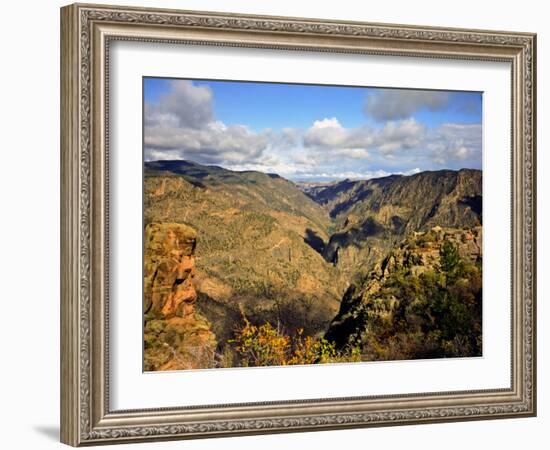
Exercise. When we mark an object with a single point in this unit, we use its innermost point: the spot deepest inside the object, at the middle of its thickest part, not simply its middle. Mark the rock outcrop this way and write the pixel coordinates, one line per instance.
(176, 335)
(375, 298)
(421, 251)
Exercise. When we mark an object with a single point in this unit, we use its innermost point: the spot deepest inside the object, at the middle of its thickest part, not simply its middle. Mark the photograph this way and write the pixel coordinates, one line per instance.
(294, 224)
(288, 221)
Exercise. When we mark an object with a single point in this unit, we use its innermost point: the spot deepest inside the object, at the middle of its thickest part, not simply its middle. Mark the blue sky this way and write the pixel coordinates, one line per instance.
(311, 132)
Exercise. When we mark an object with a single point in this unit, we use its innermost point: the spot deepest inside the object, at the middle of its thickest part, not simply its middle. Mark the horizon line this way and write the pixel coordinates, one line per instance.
(310, 178)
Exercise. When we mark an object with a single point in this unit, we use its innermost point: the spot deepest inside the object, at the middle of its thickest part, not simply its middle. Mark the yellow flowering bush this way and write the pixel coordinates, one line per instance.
(265, 345)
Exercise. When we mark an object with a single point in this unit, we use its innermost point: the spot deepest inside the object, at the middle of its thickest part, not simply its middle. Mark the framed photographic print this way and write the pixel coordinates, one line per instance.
(335, 220)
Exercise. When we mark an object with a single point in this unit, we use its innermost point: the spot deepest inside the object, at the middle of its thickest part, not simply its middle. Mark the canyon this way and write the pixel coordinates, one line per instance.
(223, 248)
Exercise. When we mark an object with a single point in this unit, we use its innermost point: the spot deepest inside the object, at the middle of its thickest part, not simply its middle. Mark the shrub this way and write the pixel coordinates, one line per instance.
(265, 345)
(450, 259)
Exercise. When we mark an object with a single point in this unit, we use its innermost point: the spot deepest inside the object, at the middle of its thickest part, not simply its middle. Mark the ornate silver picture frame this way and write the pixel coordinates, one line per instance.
(87, 33)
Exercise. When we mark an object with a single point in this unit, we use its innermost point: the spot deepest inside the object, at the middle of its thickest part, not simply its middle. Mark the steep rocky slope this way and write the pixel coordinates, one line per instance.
(259, 245)
(423, 300)
(176, 336)
(371, 216)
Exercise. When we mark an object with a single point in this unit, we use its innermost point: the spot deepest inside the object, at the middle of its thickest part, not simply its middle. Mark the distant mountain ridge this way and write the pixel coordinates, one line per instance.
(339, 197)
(371, 216)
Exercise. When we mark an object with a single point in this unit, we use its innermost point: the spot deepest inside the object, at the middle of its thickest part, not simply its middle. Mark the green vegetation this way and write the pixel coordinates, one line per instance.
(266, 345)
(253, 245)
(435, 314)
(272, 265)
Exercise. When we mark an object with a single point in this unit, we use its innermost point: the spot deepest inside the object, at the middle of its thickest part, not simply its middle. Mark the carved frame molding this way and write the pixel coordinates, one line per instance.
(86, 32)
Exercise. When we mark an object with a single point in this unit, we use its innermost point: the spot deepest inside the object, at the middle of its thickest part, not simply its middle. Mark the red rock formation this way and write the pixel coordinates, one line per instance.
(176, 335)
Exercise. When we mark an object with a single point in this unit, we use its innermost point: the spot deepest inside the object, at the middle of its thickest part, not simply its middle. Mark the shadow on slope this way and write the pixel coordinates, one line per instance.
(314, 241)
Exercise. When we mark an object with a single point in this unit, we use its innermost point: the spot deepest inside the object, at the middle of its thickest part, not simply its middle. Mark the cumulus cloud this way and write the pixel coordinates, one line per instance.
(396, 143)
(394, 104)
(329, 135)
(213, 143)
(186, 105)
(182, 126)
(455, 142)
(397, 135)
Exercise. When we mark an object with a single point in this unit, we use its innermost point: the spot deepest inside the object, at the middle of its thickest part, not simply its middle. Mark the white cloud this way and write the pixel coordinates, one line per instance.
(356, 175)
(329, 135)
(182, 126)
(404, 134)
(398, 144)
(210, 144)
(456, 142)
(186, 105)
(394, 104)
(462, 153)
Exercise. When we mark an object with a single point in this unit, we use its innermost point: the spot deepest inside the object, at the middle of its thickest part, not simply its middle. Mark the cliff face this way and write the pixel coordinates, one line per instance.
(372, 216)
(422, 300)
(176, 336)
